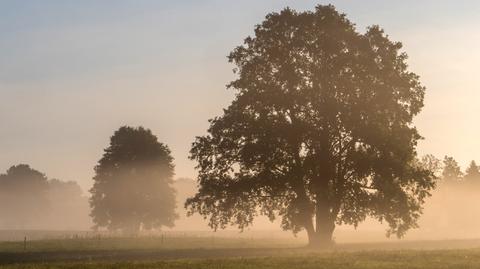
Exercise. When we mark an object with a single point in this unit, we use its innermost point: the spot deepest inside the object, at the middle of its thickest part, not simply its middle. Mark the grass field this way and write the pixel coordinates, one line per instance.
(205, 252)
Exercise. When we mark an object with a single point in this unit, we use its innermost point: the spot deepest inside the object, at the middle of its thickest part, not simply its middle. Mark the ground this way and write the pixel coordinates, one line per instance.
(216, 252)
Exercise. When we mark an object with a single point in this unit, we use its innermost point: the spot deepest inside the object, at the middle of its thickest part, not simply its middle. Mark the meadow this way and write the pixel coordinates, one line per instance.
(224, 252)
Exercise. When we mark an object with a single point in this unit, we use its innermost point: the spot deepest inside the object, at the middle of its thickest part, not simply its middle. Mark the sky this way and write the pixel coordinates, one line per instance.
(72, 72)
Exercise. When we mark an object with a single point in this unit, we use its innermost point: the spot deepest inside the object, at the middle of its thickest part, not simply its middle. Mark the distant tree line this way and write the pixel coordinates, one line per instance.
(28, 199)
(452, 173)
(132, 190)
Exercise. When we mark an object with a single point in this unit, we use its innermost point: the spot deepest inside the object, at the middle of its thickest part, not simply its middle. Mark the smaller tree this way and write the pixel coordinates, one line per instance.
(69, 206)
(472, 174)
(451, 170)
(133, 183)
(29, 200)
(23, 197)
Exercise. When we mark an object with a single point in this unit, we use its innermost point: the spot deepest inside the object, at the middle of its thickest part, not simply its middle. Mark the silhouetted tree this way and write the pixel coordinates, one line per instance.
(23, 196)
(28, 200)
(472, 173)
(451, 170)
(320, 132)
(133, 183)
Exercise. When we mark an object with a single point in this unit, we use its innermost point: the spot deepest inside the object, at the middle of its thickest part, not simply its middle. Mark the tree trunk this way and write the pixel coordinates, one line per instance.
(312, 237)
(322, 235)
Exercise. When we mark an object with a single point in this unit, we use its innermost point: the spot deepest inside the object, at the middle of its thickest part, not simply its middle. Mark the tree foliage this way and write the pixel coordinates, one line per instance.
(472, 173)
(320, 132)
(451, 170)
(133, 183)
(29, 200)
(23, 196)
(433, 164)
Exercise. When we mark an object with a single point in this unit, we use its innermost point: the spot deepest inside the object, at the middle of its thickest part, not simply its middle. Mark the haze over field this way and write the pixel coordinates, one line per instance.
(444, 218)
(74, 72)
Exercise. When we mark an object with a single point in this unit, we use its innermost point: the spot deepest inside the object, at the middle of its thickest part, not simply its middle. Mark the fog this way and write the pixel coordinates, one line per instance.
(452, 212)
(31, 201)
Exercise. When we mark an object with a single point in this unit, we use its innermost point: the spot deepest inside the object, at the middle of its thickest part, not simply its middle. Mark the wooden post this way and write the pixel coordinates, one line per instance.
(25, 243)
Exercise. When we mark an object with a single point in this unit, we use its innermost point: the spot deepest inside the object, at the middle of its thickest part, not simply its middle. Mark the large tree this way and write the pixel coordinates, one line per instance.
(320, 132)
(133, 183)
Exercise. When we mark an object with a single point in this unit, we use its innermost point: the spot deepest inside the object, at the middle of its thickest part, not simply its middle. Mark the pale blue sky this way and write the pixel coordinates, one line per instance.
(71, 72)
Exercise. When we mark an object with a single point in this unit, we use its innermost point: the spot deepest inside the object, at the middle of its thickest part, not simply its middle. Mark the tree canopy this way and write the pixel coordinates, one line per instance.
(320, 131)
(29, 200)
(133, 183)
(23, 196)
(451, 170)
(472, 173)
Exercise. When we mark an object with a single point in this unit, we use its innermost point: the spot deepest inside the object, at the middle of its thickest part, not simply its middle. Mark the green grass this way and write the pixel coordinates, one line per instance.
(361, 260)
(217, 253)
